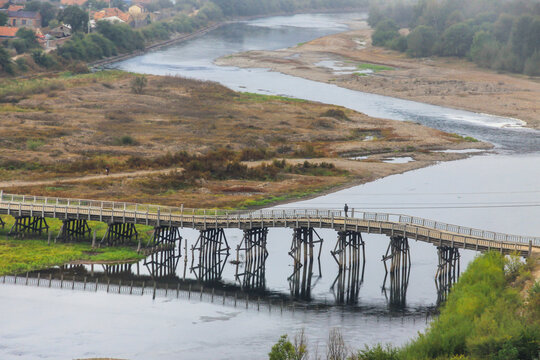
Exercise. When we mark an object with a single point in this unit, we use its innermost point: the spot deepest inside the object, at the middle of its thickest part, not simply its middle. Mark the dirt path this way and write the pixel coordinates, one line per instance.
(339, 59)
(20, 183)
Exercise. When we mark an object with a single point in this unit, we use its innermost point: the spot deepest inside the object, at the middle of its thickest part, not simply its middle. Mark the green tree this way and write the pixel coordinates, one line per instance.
(282, 350)
(456, 40)
(421, 40)
(3, 18)
(385, 32)
(532, 65)
(5, 60)
(74, 16)
(484, 49)
(46, 9)
(28, 36)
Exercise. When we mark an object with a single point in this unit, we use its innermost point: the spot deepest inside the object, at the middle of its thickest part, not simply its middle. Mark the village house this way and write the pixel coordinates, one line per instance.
(7, 32)
(15, 7)
(137, 9)
(113, 15)
(30, 19)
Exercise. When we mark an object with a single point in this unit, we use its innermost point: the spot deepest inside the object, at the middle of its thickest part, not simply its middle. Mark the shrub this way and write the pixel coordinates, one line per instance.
(138, 84)
(43, 60)
(34, 145)
(125, 140)
(420, 41)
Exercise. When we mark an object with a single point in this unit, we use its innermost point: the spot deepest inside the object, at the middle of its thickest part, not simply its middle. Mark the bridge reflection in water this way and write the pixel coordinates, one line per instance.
(211, 250)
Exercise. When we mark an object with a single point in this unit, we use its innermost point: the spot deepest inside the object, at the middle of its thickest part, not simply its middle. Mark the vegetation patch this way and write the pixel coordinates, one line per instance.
(373, 67)
(19, 256)
(247, 96)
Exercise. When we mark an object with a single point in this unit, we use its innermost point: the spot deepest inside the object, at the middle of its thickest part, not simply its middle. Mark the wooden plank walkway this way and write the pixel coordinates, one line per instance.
(437, 233)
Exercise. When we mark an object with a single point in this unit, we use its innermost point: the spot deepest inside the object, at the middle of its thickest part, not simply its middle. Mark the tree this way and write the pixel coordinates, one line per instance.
(421, 40)
(138, 84)
(484, 49)
(46, 9)
(28, 36)
(456, 40)
(385, 31)
(3, 18)
(74, 16)
(283, 350)
(5, 60)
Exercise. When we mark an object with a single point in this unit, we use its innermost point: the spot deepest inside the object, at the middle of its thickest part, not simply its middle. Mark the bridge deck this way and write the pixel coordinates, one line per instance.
(420, 229)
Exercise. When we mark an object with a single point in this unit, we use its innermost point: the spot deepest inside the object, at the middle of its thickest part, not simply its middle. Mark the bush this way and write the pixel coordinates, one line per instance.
(385, 32)
(125, 140)
(532, 65)
(43, 60)
(421, 40)
(138, 84)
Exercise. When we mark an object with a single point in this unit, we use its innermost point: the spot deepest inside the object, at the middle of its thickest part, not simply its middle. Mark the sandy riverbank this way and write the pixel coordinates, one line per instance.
(447, 82)
(73, 127)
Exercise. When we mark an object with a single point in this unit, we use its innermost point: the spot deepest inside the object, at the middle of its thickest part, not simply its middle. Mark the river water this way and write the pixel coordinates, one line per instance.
(498, 191)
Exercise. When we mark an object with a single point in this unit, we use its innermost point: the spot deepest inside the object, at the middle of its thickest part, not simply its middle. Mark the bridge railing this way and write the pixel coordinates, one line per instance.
(266, 214)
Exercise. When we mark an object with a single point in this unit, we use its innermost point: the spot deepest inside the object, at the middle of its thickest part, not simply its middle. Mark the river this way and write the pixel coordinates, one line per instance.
(497, 191)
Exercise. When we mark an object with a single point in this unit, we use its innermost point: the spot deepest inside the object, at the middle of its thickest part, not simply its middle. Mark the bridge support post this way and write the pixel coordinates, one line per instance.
(349, 253)
(120, 233)
(163, 252)
(29, 225)
(447, 270)
(213, 251)
(253, 245)
(400, 267)
(74, 230)
(302, 251)
(117, 269)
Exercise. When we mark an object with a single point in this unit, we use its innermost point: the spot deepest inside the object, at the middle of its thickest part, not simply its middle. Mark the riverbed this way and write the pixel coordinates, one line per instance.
(498, 191)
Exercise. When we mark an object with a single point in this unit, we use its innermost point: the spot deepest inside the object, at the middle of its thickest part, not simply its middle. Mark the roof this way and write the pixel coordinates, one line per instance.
(111, 12)
(24, 14)
(73, 2)
(6, 31)
(15, 7)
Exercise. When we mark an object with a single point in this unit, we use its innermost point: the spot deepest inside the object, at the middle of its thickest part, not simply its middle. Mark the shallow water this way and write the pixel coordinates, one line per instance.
(499, 192)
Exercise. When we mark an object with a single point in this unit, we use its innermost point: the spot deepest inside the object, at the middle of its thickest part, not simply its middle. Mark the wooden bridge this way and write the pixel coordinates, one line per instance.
(121, 213)
(164, 249)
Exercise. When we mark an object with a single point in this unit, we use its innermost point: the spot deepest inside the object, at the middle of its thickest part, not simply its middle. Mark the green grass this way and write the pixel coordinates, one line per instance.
(34, 145)
(465, 138)
(484, 317)
(19, 256)
(247, 96)
(374, 67)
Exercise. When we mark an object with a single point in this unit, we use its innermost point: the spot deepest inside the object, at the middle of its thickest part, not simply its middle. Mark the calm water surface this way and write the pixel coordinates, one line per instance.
(499, 192)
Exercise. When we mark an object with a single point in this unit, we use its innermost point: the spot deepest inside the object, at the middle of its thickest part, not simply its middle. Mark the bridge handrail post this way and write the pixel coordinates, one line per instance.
(158, 220)
(182, 216)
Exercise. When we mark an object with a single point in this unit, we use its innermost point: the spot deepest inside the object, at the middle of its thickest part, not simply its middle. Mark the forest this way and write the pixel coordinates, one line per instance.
(496, 34)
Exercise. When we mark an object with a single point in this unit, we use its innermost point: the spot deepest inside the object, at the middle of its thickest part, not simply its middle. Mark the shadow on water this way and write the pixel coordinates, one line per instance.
(157, 276)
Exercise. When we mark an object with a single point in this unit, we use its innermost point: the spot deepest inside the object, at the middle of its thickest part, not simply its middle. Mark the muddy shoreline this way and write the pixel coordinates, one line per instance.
(454, 83)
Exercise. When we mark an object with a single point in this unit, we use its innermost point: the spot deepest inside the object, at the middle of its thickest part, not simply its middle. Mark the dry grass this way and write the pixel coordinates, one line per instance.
(65, 127)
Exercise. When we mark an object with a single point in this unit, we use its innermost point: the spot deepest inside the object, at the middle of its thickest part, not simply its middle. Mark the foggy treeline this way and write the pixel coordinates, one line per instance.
(497, 34)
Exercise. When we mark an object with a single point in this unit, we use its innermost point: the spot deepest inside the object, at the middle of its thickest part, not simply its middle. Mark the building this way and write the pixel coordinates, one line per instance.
(30, 19)
(137, 9)
(112, 14)
(15, 7)
(72, 2)
(7, 32)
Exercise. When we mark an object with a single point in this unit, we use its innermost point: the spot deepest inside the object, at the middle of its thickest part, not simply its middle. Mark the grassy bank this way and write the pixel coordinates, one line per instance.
(18, 256)
(190, 142)
(493, 312)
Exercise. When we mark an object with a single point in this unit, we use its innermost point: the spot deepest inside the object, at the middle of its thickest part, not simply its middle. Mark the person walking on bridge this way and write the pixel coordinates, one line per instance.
(346, 209)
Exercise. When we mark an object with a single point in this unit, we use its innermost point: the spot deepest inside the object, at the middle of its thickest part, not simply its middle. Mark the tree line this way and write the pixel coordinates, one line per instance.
(110, 39)
(497, 34)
